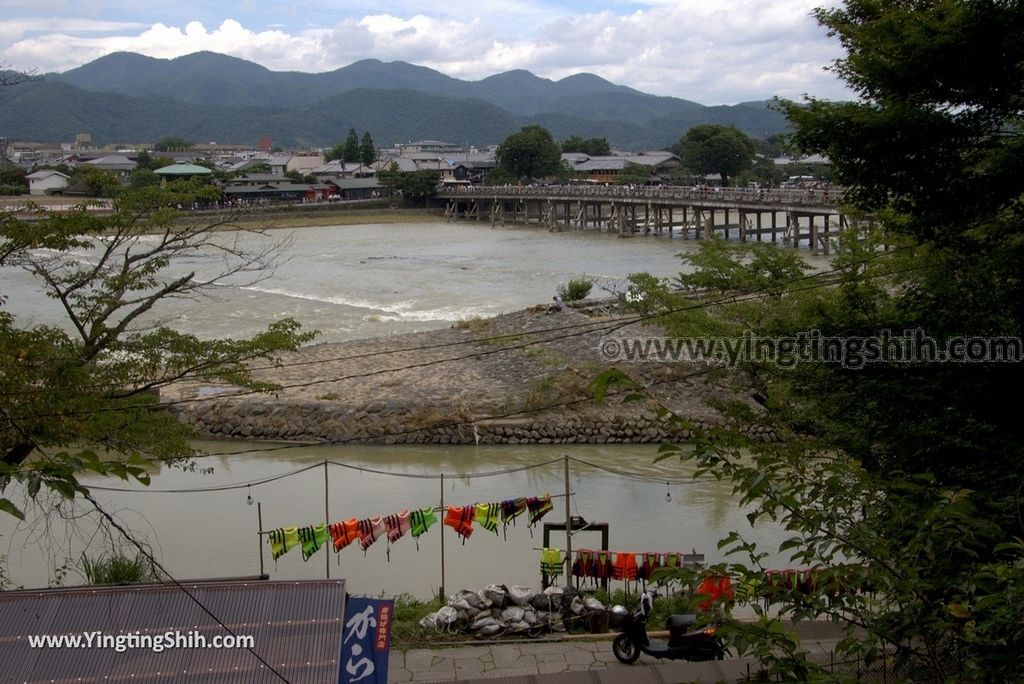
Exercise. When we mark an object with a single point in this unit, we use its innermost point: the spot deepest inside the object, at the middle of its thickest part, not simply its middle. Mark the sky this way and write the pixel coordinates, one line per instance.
(708, 51)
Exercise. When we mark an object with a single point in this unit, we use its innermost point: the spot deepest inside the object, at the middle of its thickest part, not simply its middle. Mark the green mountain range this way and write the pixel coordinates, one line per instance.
(125, 97)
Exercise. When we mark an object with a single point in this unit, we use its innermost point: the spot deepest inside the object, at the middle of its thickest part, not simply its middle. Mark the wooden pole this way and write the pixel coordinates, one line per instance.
(327, 520)
(259, 518)
(568, 522)
(441, 535)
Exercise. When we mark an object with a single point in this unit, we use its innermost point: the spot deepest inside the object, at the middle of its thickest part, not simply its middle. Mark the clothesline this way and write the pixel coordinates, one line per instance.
(441, 509)
(375, 471)
(393, 527)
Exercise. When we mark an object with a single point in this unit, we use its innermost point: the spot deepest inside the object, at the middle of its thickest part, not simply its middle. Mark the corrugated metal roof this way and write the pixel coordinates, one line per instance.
(296, 626)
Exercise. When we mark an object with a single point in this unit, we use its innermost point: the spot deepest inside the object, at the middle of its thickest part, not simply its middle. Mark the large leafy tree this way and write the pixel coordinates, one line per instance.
(530, 153)
(901, 479)
(419, 185)
(713, 148)
(80, 397)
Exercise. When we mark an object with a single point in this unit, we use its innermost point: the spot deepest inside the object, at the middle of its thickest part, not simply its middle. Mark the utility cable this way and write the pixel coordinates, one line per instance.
(597, 325)
(605, 327)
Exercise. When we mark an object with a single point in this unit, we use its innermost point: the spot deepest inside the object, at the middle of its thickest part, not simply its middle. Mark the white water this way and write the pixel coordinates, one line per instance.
(365, 281)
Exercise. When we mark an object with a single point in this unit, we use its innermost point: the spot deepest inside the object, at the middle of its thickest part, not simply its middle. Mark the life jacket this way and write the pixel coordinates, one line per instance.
(551, 562)
(397, 524)
(624, 567)
(581, 566)
(539, 506)
(601, 568)
(673, 559)
(488, 515)
(421, 521)
(370, 530)
(460, 519)
(282, 540)
(649, 563)
(715, 587)
(312, 538)
(344, 533)
(512, 508)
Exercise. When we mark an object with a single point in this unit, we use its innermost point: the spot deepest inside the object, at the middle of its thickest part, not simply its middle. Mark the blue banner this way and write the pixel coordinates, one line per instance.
(365, 641)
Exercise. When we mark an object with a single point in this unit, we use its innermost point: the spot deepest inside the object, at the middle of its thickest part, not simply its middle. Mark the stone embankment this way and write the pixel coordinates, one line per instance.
(517, 378)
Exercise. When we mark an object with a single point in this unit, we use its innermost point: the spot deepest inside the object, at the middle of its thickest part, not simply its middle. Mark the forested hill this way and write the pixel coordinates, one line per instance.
(206, 96)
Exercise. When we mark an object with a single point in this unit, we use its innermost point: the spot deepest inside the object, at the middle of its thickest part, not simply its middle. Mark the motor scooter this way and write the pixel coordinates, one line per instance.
(684, 643)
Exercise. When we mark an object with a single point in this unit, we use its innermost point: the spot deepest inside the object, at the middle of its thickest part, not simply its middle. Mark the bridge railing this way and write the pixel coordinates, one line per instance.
(705, 195)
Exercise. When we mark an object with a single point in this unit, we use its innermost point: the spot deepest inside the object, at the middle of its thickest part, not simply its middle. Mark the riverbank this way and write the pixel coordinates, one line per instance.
(516, 378)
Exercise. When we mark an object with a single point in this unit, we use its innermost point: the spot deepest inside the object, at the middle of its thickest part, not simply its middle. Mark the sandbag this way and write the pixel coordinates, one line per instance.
(481, 622)
(490, 630)
(546, 602)
(497, 594)
(446, 617)
(520, 596)
(512, 614)
(429, 621)
(591, 603)
(576, 606)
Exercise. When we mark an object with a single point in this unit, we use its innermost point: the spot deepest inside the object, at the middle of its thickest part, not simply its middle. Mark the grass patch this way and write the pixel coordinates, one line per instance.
(116, 568)
(474, 324)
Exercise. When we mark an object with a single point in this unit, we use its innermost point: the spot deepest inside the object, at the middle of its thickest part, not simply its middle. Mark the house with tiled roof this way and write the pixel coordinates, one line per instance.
(46, 182)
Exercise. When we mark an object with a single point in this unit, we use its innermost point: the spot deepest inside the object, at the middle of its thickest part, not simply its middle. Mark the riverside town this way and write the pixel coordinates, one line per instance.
(519, 343)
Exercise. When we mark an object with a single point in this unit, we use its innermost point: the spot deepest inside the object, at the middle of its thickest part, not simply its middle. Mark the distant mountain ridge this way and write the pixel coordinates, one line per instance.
(209, 96)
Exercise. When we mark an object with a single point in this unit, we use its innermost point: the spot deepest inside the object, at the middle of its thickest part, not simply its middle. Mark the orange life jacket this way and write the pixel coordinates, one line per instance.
(625, 567)
(344, 533)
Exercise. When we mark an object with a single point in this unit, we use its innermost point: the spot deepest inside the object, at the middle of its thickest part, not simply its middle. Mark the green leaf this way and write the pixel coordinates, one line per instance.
(7, 506)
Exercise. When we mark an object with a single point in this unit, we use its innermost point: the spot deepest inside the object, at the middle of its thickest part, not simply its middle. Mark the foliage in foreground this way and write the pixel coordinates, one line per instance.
(898, 477)
(79, 397)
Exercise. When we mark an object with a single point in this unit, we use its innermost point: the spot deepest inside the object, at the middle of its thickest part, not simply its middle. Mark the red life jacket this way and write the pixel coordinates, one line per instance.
(715, 587)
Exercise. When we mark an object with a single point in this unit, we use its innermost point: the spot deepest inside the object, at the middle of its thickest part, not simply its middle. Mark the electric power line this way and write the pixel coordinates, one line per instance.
(603, 327)
(597, 325)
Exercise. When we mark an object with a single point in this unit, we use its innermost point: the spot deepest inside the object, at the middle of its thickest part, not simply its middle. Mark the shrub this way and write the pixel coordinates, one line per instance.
(116, 568)
(575, 290)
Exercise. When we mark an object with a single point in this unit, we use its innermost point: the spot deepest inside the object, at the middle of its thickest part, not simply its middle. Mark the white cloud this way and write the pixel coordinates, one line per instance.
(706, 51)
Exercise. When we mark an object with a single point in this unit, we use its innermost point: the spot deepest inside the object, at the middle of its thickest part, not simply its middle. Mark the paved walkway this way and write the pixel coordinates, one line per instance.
(559, 661)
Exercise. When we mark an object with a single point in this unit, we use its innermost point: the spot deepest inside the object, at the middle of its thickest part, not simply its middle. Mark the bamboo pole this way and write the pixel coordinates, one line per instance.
(327, 520)
(568, 521)
(441, 535)
(259, 536)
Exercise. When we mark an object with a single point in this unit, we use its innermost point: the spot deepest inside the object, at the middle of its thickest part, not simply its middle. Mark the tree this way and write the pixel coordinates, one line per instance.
(12, 180)
(143, 177)
(99, 182)
(390, 176)
(530, 153)
(80, 398)
(350, 152)
(595, 147)
(419, 184)
(712, 148)
(901, 481)
(635, 174)
(173, 143)
(367, 151)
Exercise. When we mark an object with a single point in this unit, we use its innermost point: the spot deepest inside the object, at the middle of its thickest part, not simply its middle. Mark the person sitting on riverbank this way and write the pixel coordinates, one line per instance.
(556, 304)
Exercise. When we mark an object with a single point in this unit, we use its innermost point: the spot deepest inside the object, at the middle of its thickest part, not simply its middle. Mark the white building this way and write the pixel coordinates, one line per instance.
(46, 182)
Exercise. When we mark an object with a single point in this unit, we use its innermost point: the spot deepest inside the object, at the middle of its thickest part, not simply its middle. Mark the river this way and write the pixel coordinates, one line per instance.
(366, 281)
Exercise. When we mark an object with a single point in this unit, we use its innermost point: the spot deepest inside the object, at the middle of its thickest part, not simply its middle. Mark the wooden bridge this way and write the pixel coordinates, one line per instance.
(798, 217)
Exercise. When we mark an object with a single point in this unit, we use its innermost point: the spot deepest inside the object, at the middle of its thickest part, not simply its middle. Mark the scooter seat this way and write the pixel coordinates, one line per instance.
(679, 622)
